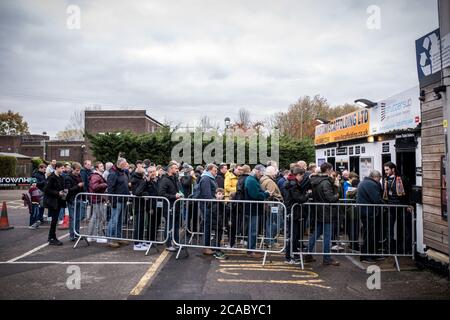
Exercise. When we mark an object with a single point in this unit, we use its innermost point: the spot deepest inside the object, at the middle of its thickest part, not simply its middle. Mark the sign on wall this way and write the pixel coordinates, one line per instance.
(365, 166)
(428, 57)
(399, 112)
(14, 182)
(351, 126)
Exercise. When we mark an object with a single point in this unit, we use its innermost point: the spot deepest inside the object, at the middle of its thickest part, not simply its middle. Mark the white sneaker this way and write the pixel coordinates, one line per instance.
(337, 248)
(34, 226)
(60, 221)
(140, 247)
(101, 240)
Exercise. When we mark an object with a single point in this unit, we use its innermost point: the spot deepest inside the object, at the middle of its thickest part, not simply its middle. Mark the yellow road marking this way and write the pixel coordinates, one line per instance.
(306, 274)
(312, 283)
(148, 276)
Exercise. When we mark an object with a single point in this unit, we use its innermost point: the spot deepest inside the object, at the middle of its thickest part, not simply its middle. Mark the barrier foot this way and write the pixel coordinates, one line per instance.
(179, 251)
(76, 243)
(397, 264)
(148, 250)
(264, 260)
(301, 261)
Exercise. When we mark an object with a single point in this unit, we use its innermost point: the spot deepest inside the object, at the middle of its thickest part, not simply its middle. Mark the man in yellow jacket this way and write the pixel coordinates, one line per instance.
(231, 179)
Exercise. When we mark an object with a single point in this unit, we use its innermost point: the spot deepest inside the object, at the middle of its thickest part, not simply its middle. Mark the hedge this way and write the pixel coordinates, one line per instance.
(8, 166)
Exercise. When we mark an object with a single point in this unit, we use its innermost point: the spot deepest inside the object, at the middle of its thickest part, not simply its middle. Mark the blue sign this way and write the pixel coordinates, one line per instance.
(428, 57)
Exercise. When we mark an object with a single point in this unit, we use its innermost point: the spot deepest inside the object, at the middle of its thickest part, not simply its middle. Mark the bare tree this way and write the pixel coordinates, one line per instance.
(74, 130)
(243, 121)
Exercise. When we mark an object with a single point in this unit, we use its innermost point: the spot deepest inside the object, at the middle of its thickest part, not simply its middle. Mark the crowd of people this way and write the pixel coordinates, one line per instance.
(57, 185)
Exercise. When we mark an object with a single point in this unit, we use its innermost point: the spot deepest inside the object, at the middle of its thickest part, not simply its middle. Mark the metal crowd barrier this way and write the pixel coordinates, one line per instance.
(106, 217)
(373, 231)
(219, 224)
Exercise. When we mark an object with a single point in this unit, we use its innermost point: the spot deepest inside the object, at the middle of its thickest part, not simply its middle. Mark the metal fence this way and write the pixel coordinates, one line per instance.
(350, 229)
(344, 228)
(103, 217)
(252, 226)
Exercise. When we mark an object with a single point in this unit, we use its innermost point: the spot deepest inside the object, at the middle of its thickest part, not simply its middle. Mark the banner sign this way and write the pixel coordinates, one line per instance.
(15, 182)
(398, 113)
(351, 126)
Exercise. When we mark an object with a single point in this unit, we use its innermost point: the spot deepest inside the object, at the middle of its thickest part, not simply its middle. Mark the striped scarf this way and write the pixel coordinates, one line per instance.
(398, 187)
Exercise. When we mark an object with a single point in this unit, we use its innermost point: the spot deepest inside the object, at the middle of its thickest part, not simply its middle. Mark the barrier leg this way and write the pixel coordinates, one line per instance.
(79, 239)
(179, 251)
(397, 264)
(149, 247)
(265, 257)
(301, 261)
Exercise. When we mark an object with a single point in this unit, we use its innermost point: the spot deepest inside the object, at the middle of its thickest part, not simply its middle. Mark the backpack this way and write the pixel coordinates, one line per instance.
(197, 190)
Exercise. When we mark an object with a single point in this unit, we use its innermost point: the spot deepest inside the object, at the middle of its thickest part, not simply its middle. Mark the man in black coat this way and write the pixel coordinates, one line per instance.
(139, 189)
(169, 188)
(325, 191)
(55, 198)
(294, 194)
(370, 193)
(220, 178)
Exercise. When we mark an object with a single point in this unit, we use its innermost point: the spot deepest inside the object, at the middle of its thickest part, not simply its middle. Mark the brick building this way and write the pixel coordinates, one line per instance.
(98, 121)
(41, 146)
(102, 121)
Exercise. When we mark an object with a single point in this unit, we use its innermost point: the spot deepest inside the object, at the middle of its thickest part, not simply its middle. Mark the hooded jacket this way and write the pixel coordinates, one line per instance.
(40, 179)
(208, 186)
(324, 192)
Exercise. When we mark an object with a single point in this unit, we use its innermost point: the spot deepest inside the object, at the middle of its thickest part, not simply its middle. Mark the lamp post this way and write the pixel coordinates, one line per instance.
(227, 123)
(366, 103)
(301, 124)
(43, 144)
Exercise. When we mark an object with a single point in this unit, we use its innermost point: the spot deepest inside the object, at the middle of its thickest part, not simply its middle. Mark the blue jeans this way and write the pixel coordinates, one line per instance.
(74, 220)
(61, 214)
(115, 223)
(41, 213)
(34, 216)
(273, 221)
(252, 228)
(324, 228)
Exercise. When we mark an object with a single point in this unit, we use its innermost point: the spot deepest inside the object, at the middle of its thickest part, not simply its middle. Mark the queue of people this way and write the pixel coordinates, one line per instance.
(57, 188)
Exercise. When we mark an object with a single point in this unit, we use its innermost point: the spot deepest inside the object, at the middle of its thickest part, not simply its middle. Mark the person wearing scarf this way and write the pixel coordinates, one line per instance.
(394, 193)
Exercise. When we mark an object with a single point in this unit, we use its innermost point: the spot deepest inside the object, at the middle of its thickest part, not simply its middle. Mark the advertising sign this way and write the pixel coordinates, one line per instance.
(399, 112)
(14, 182)
(351, 126)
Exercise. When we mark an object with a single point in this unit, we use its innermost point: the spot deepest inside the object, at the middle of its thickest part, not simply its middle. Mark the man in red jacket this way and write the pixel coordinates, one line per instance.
(97, 184)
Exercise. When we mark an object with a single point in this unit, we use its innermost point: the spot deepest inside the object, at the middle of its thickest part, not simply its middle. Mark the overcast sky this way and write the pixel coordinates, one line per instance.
(184, 59)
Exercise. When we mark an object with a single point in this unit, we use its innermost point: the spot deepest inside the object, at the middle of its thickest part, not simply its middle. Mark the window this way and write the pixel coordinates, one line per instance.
(64, 152)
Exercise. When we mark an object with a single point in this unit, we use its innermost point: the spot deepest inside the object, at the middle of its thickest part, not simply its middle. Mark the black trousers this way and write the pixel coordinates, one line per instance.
(53, 213)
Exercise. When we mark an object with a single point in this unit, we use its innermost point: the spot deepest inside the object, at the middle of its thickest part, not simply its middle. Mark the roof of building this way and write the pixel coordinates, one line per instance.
(15, 155)
(100, 113)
